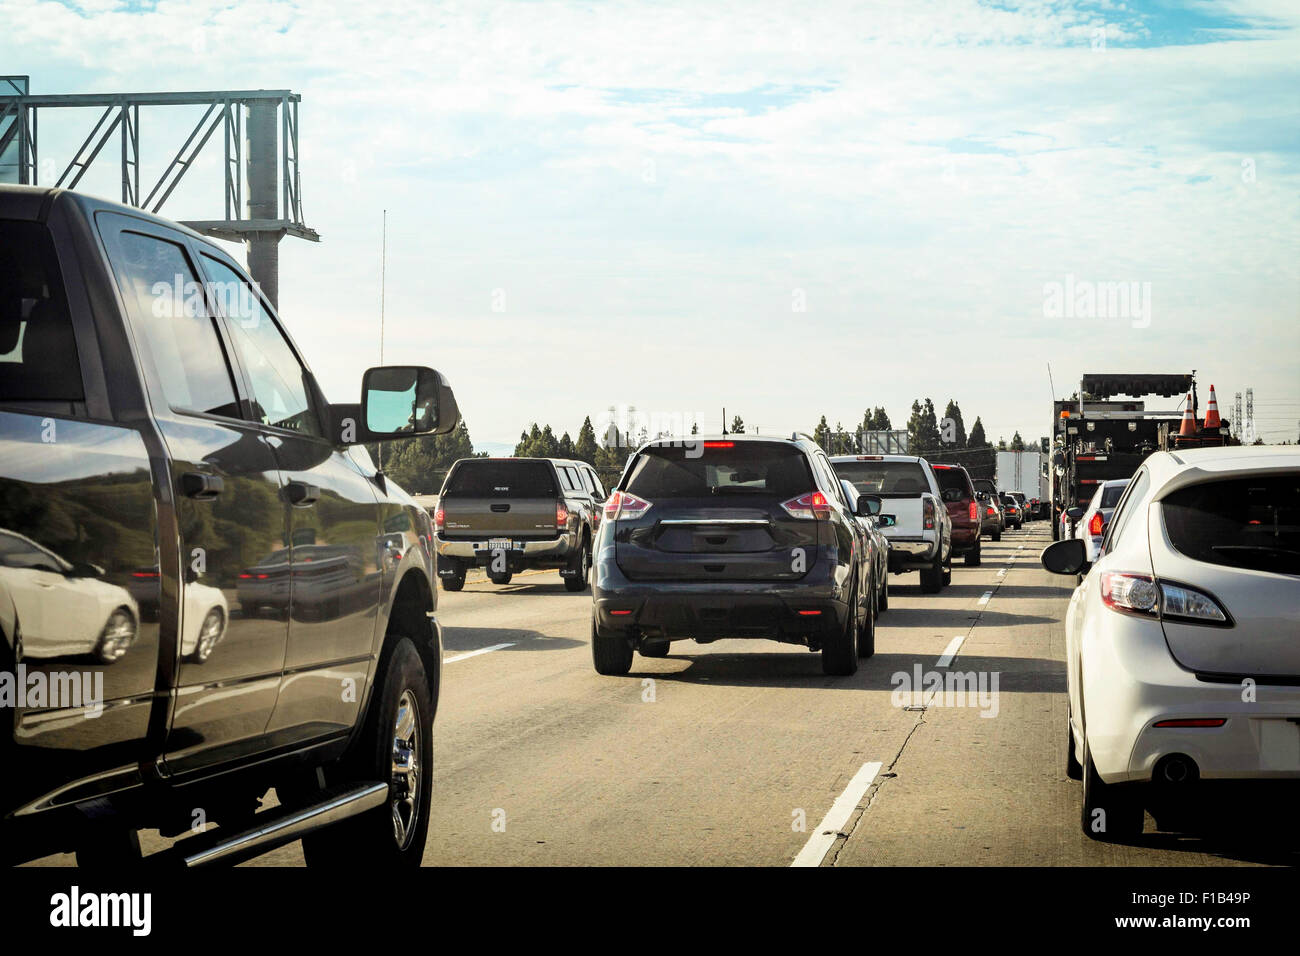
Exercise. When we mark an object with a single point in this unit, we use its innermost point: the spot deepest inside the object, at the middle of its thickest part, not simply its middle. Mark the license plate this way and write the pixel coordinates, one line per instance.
(500, 544)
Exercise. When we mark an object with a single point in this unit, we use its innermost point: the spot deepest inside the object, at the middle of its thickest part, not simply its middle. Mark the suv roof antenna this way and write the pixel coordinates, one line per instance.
(724, 419)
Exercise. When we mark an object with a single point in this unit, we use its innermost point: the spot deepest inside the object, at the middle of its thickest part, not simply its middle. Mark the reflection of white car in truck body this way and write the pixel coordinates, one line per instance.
(921, 537)
(203, 623)
(64, 609)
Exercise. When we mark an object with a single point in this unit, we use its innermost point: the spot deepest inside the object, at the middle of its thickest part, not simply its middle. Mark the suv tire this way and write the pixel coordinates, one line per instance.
(396, 745)
(932, 578)
(840, 646)
(611, 653)
(867, 635)
(973, 555)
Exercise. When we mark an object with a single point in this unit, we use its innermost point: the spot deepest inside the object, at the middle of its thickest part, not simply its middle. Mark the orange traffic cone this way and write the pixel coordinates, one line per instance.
(1187, 431)
(1212, 412)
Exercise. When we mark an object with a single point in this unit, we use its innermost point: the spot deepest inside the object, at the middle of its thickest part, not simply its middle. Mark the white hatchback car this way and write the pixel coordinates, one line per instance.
(1183, 640)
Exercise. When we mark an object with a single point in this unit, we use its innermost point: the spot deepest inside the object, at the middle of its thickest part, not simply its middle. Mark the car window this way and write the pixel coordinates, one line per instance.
(566, 478)
(575, 483)
(1126, 509)
(501, 478)
(163, 300)
(721, 469)
(886, 478)
(1110, 495)
(280, 394)
(38, 354)
(593, 483)
(953, 484)
(1240, 523)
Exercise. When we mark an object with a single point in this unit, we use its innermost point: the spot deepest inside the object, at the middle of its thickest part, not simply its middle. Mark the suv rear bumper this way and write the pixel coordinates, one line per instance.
(965, 538)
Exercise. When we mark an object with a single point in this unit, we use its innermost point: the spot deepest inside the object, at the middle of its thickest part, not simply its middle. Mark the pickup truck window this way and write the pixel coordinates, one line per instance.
(593, 484)
(176, 327)
(486, 478)
(38, 356)
(885, 477)
(280, 394)
(566, 479)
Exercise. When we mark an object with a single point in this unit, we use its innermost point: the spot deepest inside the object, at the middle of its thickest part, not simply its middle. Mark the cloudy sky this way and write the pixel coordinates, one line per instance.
(789, 209)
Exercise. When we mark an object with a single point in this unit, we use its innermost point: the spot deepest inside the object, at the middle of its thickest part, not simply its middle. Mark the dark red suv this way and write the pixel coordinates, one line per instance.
(959, 495)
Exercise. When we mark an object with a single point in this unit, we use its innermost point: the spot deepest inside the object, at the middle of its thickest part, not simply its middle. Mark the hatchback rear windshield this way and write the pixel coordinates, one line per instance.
(1111, 494)
(489, 478)
(746, 468)
(897, 478)
(1243, 523)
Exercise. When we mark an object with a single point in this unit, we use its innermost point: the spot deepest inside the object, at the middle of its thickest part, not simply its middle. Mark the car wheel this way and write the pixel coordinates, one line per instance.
(396, 745)
(214, 625)
(840, 646)
(867, 636)
(453, 583)
(1073, 769)
(1110, 812)
(118, 635)
(932, 578)
(883, 603)
(654, 648)
(945, 574)
(973, 556)
(502, 578)
(611, 652)
(579, 581)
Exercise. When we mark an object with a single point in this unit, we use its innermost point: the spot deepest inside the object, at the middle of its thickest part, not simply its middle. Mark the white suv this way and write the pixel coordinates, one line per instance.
(1183, 640)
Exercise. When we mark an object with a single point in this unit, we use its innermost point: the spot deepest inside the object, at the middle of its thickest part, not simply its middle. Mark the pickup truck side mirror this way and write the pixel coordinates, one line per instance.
(397, 401)
(888, 521)
(1065, 557)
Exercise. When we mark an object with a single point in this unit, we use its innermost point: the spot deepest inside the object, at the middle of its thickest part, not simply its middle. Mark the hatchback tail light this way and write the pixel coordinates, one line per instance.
(1096, 525)
(811, 506)
(1143, 594)
(623, 505)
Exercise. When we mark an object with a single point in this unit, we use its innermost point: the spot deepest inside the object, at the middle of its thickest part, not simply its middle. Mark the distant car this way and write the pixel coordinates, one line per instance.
(990, 503)
(877, 543)
(734, 537)
(1011, 511)
(920, 538)
(510, 514)
(1194, 597)
(1023, 502)
(1091, 527)
(959, 497)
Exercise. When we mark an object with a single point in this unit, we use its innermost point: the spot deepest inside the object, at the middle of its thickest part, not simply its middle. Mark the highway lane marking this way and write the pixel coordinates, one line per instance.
(1003, 572)
(950, 651)
(985, 598)
(823, 838)
(481, 650)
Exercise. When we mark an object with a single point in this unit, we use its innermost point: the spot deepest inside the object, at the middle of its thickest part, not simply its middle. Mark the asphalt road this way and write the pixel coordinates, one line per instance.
(743, 752)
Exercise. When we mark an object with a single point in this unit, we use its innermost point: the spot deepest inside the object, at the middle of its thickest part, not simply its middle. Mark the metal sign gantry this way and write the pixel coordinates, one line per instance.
(262, 188)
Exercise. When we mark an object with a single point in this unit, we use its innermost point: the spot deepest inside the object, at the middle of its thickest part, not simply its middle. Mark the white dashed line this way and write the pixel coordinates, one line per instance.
(481, 650)
(985, 598)
(823, 838)
(950, 651)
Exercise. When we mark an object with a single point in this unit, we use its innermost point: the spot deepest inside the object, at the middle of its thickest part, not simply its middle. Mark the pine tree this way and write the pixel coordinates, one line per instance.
(953, 411)
(737, 425)
(977, 439)
(822, 434)
(585, 447)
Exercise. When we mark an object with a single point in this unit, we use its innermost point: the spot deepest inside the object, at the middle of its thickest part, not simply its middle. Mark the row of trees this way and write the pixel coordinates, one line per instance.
(420, 464)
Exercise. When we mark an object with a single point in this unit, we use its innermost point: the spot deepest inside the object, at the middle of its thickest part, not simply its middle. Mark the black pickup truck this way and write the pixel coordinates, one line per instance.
(207, 590)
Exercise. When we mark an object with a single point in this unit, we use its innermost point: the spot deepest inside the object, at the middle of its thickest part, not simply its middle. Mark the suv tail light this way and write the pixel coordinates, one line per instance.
(561, 516)
(974, 512)
(623, 505)
(989, 511)
(1143, 594)
(811, 506)
(439, 519)
(927, 512)
(1096, 525)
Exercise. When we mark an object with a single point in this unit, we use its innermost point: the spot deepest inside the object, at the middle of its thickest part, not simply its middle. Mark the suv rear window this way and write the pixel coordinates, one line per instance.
(489, 478)
(1242, 523)
(1110, 495)
(954, 485)
(896, 478)
(38, 354)
(746, 468)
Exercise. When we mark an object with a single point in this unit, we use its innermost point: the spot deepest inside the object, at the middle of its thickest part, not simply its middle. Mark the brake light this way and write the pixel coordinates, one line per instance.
(812, 506)
(974, 512)
(990, 511)
(623, 505)
(439, 520)
(870, 458)
(719, 444)
(927, 513)
(1143, 594)
(1095, 524)
(561, 515)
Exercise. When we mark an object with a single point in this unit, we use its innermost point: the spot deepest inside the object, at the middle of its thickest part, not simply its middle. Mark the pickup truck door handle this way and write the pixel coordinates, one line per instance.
(201, 487)
(500, 508)
(301, 494)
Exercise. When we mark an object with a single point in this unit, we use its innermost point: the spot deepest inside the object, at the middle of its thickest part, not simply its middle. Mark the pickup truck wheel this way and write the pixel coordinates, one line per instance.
(932, 578)
(867, 635)
(945, 573)
(611, 652)
(973, 556)
(396, 746)
(840, 648)
(503, 578)
(582, 569)
(453, 583)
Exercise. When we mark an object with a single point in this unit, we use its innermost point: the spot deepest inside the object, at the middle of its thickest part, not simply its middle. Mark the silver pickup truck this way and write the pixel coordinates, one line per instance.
(510, 514)
(921, 537)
